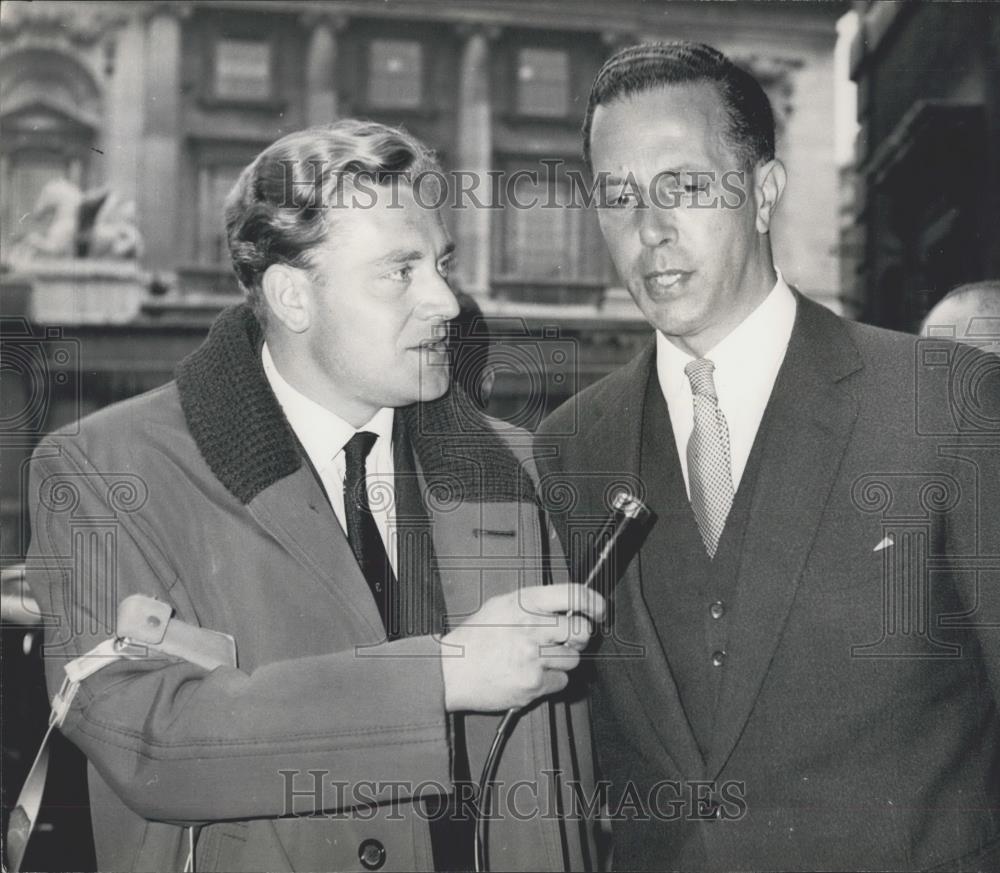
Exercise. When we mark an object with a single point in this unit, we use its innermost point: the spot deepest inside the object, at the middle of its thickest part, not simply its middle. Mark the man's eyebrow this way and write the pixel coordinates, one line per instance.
(400, 256)
(405, 256)
(678, 170)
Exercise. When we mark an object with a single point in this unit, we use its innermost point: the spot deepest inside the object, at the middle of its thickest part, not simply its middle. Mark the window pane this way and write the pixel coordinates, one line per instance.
(395, 73)
(214, 184)
(555, 244)
(537, 237)
(543, 82)
(243, 69)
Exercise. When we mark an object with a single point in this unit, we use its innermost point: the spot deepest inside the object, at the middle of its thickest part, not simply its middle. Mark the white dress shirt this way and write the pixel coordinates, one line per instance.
(746, 364)
(324, 434)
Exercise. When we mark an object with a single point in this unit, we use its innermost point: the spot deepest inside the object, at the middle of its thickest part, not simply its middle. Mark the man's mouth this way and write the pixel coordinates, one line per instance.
(660, 281)
(435, 344)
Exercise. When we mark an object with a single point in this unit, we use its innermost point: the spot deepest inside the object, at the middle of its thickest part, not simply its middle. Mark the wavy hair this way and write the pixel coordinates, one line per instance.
(281, 207)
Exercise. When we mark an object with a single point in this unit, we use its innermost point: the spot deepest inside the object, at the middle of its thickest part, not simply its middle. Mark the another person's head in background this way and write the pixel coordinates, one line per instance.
(469, 345)
(968, 314)
(682, 142)
(345, 266)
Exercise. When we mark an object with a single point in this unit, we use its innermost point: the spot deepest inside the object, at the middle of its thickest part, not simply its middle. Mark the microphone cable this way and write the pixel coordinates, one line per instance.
(620, 537)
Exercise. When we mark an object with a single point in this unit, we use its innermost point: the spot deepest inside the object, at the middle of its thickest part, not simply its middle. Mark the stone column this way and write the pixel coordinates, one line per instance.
(615, 40)
(616, 302)
(474, 158)
(160, 154)
(122, 136)
(321, 67)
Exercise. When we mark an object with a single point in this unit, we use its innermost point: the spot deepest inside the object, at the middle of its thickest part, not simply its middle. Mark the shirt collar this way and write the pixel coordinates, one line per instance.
(755, 343)
(323, 433)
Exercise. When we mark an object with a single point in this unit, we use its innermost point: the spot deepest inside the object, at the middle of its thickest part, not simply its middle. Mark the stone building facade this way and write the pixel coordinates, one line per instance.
(164, 102)
(927, 199)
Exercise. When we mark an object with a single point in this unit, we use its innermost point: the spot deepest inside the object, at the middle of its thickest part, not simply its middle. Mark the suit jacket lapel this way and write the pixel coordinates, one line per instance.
(806, 429)
(634, 639)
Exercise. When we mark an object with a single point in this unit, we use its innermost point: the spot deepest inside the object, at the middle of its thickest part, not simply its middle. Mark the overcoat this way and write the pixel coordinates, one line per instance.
(197, 494)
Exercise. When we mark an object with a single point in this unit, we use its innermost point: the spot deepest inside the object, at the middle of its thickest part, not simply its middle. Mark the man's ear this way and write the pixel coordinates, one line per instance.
(769, 183)
(286, 290)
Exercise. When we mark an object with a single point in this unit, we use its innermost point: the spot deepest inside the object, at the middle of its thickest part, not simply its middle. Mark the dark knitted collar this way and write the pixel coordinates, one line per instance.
(246, 440)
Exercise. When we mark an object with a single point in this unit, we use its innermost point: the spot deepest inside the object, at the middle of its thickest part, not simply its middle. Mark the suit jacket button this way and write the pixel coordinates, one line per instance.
(718, 658)
(371, 854)
(709, 809)
(717, 609)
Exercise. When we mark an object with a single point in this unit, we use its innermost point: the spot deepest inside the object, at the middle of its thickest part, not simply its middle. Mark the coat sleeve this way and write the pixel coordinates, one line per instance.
(971, 558)
(180, 744)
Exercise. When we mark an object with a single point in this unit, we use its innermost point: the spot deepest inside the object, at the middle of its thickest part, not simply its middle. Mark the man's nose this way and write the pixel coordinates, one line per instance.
(658, 225)
(438, 300)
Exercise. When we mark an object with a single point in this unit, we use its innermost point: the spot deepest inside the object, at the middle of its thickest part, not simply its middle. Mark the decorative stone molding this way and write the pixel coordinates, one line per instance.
(466, 30)
(70, 24)
(777, 77)
(72, 291)
(179, 9)
(337, 22)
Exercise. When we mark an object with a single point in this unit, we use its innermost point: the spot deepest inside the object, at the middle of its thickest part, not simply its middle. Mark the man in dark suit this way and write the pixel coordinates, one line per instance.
(802, 670)
(310, 486)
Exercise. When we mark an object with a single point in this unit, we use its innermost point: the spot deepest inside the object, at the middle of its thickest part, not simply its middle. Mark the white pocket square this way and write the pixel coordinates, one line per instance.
(886, 543)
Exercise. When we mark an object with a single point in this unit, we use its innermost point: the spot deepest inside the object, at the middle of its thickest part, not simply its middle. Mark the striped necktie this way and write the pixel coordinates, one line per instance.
(709, 465)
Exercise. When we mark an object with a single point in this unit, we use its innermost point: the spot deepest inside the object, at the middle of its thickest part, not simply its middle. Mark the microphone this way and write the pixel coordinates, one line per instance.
(614, 546)
(617, 542)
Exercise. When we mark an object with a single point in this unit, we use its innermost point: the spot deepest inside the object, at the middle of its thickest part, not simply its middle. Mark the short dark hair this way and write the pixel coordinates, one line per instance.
(639, 68)
(270, 221)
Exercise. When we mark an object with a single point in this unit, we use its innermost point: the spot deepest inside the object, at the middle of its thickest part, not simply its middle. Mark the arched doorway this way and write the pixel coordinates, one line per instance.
(50, 120)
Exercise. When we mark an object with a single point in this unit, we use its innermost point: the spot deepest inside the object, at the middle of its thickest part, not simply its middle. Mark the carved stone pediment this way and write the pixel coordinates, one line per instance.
(51, 23)
(50, 82)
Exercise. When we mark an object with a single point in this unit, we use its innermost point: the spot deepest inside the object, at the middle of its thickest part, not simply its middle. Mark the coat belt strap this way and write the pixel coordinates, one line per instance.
(144, 625)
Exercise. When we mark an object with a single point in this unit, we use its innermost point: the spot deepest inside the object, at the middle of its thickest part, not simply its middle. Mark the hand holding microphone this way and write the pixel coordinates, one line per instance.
(521, 646)
(518, 647)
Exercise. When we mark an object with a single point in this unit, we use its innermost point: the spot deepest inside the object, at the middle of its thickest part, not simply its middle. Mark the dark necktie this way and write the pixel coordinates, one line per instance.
(363, 535)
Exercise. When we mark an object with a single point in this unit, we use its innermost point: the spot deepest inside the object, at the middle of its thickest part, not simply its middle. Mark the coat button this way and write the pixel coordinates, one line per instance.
(709, 809)
(717, 609)
(718, 658)
(372, 854)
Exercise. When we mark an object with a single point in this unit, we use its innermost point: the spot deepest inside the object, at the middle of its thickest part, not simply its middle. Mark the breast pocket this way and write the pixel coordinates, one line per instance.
(221, 846)
(852, 551)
